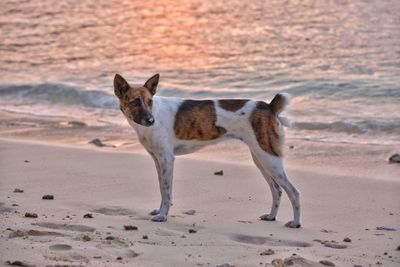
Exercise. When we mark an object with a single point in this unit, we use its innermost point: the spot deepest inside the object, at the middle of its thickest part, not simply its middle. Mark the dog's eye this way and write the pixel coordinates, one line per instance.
(135, 102)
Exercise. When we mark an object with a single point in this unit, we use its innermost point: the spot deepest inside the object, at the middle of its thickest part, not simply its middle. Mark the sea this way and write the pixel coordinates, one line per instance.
(338, 59)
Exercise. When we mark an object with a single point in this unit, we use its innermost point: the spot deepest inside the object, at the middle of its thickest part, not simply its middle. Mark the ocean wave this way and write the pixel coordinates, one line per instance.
(55, 93)
(352, 127)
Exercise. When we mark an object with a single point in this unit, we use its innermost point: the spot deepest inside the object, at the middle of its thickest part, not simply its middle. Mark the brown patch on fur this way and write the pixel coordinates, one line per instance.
(232, 104)
(267, 128)
(195, 120)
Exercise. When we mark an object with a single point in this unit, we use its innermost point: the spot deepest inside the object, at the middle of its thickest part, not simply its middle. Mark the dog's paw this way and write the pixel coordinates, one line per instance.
(293, 224)
(267, 217)
(154, 212)
(159, 218)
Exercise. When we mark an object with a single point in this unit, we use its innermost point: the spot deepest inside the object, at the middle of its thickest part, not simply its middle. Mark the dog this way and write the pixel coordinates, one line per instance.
(168, 126)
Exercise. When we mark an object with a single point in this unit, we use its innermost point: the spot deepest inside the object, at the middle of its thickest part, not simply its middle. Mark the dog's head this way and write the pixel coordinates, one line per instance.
(136, 102)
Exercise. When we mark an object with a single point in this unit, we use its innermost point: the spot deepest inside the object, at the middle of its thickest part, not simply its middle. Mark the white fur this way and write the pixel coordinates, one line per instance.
(161, 143)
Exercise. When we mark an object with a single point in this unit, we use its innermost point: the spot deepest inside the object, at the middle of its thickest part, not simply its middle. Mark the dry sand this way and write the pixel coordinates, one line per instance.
(344, 195)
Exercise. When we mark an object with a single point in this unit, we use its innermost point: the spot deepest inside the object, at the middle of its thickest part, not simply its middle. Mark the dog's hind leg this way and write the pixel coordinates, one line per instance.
(274, 166)
(275, 190)
(165, 167)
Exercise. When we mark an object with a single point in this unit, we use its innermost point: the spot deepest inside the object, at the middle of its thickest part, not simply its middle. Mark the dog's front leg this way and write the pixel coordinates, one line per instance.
(165, 168)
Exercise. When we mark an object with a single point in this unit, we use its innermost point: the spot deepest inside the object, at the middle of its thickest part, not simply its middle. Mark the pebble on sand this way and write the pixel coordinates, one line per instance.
(220, 173)
(76, 124)
(110, 237)
(88, 216)
(16, 263)
(48, 197)
(189, 212)
(17, 190)
(346, 239)
(96, 142)
(327, 263)
(31, 215)
(192, 231)
(86, 238)
(395, 158)
(333, 244)
(384, 228)
(267, 252)
(119, 258)
(145, 237)
(130, 227)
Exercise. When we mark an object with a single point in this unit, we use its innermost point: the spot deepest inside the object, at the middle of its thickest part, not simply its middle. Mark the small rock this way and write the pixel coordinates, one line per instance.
(192, 231)
(17, 190)
(346, 239)
(327, 263)
(97, 142)
(398, 248)
(333, 244)
(15, 205)
(16, 263)
(291, 147)
(96, 257)
(327, 231)
(86, 238)
(220, 173)
(189, 212)
(27, 161)
(145, 237)
(130, 228)
(384, 228)
(110, 237)
(183, 236)
(395, 158)
(31, 215)
(267, 252)
(119, 258)
(88, 216)
(357, 265)
(48, 197)
(77, 123)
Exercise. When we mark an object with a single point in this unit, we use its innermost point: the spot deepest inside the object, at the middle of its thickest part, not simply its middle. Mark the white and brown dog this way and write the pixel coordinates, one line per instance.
(169, 126)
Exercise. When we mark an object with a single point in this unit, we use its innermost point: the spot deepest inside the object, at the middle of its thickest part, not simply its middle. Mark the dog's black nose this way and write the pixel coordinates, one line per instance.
(150, 121)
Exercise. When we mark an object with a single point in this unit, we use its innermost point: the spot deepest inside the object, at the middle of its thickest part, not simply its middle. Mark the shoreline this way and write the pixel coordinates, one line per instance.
(120, 188)
(348, 159)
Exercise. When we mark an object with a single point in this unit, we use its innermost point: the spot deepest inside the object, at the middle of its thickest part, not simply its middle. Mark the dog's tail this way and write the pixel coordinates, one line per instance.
(278, 104)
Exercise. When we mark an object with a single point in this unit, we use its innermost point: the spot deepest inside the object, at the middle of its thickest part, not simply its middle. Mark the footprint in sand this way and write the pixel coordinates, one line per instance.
(260, 240)
(60, 247)
(69, 227)
(113, 211)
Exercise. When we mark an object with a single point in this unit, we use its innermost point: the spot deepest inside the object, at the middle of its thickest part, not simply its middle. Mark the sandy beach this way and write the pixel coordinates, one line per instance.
(77, 187)
(119, 189)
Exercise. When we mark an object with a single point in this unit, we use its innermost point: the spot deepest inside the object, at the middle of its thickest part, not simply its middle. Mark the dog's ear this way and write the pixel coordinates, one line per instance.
(120, 86)
(152, 83)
